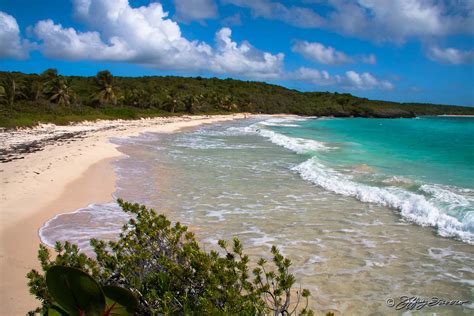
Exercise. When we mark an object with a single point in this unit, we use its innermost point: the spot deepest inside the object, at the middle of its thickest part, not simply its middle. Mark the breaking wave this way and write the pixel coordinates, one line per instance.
(443, 207)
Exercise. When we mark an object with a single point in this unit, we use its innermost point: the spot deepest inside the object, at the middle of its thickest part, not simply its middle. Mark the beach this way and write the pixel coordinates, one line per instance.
(296, 182)
(326, 201)
(50, 170)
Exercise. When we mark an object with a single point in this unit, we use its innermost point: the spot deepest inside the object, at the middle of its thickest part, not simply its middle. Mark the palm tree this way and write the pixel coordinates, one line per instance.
(56, 87)
(60, 91)
(11, 89)
(106, 94)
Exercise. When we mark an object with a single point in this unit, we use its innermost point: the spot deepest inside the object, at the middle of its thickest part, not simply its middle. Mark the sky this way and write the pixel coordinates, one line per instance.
(397, 50)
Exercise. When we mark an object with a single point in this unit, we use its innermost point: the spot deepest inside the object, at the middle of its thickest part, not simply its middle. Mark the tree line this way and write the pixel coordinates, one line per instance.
(51, 95)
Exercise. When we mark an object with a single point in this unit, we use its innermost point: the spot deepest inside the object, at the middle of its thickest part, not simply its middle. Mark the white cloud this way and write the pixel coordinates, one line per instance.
(67, 43)
(393, 20)
(350, 80)
(12, 46)
(364, 81)
(195, 10)
(244, 59)
(146, 36)
(377, 20)
(398, 20)
(313, 76)
(321, 54)
(328, 55)
(451, 55)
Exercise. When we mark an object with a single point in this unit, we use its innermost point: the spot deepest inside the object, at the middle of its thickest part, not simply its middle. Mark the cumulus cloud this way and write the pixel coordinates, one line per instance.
(451, 55)
(67, 43)
(244, 59)
(195, 10)
(378, 20)
(349, 80)
(364, 81)
(393, 20)
(321, 54)
(147, 36)
(328, 55)
(12, 45)
(313, 76)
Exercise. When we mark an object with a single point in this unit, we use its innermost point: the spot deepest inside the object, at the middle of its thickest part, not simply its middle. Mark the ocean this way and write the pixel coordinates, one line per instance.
(367, 209)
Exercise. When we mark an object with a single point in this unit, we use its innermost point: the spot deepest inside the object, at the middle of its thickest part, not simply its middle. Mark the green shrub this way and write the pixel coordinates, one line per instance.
(164, 267)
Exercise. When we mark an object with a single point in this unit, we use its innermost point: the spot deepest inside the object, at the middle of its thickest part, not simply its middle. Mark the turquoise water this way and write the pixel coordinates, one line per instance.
(366, 209)
(431, 149)
(423, 167)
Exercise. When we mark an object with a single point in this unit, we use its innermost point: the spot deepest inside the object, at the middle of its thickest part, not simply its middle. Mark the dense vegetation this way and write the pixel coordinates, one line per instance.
(50, 97)
(168, 273)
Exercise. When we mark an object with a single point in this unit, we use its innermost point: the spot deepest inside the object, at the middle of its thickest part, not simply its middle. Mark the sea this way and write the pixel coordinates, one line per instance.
(368, 210)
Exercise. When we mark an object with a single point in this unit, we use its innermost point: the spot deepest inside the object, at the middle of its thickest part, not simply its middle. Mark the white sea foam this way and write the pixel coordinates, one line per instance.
(450, 195)
(299, 145)
(288, 121)
(315, 259)
(285, 121)
(102, 221)
(414, 207)
(265, 240)
(428, 207)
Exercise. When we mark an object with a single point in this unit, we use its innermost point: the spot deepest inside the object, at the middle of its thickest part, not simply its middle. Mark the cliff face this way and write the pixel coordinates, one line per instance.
(393, 113)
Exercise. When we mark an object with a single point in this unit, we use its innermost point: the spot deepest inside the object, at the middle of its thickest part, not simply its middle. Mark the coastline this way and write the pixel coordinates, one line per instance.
(455, 115)
(59, 178)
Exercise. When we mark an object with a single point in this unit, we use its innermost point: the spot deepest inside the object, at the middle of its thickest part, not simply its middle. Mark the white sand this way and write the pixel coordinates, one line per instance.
(63, 177)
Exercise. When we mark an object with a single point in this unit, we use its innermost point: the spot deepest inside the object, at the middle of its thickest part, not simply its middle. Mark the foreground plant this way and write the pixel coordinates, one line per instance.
(165, 269)
(76, 293)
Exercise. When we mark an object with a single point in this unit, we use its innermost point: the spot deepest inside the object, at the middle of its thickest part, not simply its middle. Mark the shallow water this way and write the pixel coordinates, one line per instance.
(227, 180)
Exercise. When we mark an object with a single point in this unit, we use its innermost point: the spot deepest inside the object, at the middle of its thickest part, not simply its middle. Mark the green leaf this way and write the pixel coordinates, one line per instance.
(119, 301)
(56, 311)
(75, 291)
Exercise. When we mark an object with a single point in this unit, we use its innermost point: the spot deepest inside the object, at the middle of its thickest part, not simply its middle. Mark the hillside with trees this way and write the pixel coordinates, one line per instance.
(26, 99)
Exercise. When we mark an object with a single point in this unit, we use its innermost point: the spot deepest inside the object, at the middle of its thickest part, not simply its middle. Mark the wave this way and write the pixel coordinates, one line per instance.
(299, 145)
(413, 207)
(102, 221)
(443, 207)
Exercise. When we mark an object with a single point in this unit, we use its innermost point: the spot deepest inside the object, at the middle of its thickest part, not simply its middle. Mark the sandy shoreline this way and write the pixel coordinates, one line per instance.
(62, 176)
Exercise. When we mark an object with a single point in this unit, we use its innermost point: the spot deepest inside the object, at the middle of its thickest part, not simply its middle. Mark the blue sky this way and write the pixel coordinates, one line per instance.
(400, 50)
